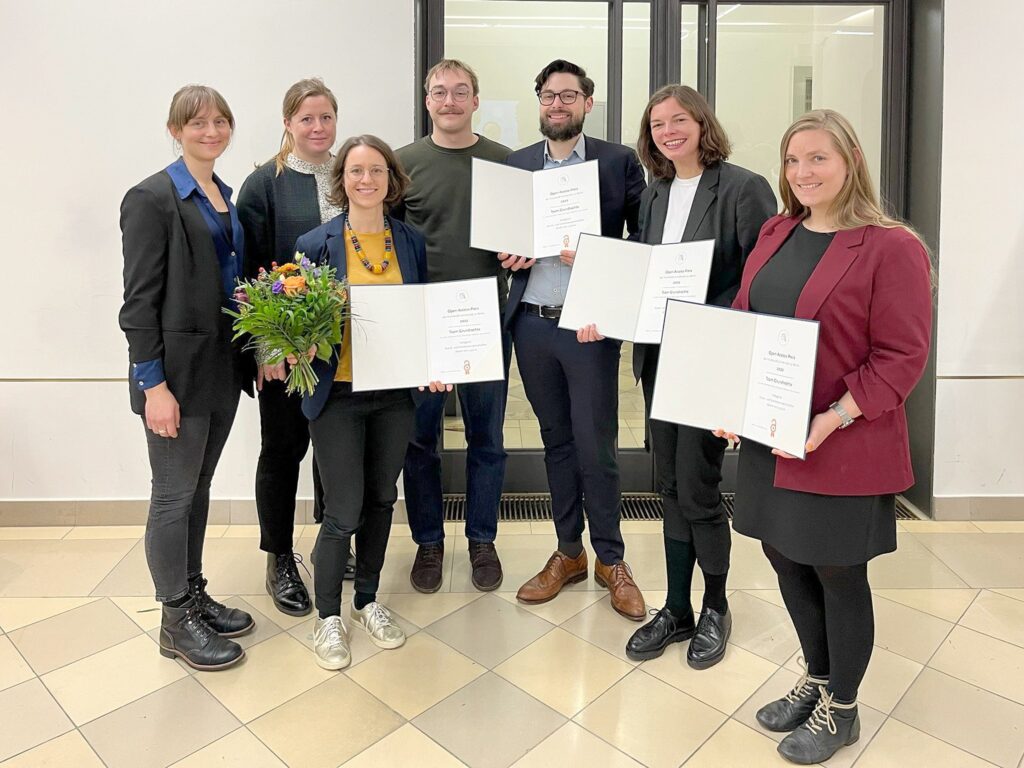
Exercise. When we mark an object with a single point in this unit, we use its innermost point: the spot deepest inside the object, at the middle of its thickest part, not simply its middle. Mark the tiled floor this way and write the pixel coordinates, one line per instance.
(485, 682)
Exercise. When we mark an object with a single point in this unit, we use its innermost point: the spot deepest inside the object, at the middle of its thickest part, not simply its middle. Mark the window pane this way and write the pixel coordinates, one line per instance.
(688, 46)
(776, 62)
(636, 67)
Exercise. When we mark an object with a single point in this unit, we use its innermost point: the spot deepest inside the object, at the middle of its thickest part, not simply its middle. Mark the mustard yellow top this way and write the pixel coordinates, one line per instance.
(373, 248)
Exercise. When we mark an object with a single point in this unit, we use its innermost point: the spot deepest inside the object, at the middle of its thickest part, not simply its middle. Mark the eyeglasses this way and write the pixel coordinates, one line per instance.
(547, 98)
(357, 172)
(439, 94)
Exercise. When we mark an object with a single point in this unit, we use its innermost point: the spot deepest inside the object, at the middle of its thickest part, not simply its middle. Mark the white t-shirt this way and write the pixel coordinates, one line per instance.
(680, 200)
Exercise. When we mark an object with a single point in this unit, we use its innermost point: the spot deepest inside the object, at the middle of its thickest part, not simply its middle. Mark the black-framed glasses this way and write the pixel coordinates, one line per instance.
(439, 94)
(547, 98)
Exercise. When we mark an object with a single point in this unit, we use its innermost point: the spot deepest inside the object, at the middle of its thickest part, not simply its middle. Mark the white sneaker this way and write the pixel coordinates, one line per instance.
(330, 643)
(383, 630)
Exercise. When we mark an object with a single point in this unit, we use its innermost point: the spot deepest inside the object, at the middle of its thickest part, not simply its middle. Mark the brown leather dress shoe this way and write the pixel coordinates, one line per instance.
(626, 597)
(559, 571)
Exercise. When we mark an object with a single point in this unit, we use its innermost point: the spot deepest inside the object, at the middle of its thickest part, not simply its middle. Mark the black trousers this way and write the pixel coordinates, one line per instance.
(688, 472)
(360, 440)
(573, 389)
(284, 434)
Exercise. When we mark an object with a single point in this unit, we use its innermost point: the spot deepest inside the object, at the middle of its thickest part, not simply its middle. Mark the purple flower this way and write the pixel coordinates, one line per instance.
(316, 272)
(278, 287)
(305, 263)
(240, 295)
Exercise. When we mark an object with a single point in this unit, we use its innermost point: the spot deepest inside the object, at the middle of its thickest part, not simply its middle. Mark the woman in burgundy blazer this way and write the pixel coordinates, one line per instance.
(835, 257)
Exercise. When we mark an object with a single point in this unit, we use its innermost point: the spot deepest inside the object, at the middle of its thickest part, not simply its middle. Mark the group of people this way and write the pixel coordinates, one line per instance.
(380, 216)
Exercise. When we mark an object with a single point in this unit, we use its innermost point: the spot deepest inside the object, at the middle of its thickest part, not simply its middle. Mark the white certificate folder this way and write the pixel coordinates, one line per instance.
(622, 286)
(410, 335)
(535, 214)
(743, 372)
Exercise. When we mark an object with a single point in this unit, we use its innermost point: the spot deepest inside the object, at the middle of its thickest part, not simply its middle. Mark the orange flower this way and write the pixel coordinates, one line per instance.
(285, 269)
(294, 285)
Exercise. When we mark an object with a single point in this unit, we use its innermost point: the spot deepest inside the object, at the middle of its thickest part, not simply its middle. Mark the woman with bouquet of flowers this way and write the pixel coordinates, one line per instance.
(182, 245)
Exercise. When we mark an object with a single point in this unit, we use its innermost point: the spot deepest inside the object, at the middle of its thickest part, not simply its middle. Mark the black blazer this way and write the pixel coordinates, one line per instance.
(730, 206)
(173, 299)
(326, 243)
(622, 183)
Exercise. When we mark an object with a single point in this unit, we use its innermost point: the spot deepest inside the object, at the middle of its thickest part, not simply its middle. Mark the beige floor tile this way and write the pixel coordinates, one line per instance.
(579, 746)
(239, 749)
(563, 671)
(215, 531)
(57, 568)
(651, 721)
(14, 670)
(600, 625)
(242, 532)
(650, 527)
(775, 687)
(913, 566)
(948, 604)
(749, 568)
(106, 532)
(887, 679)
(130, 576)
(423, 610)
(1001, 526)
(939, 526)
(18, 612)
(199, 719)
(31, 717)
(489, 630)
(981, 561)
(265, 605)
(871, 721)
(762, 628)
(568, 603)
(273, 672)
(112, 678)
(983, 661)
(67, 751)
(897, 745)
(32, 532)
(144, 611)
(297, 735)
(73, 635)
(969, 718)
(735, 678)
(997, 615)
(907, 632)
(1016, 594)
(645, 555)
(489, 723)
(512, 528)
(772, 596)
(736, 745)
(416, 676)
(407, 746)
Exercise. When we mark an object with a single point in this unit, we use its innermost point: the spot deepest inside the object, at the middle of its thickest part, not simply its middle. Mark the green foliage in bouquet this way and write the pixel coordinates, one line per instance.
(288, 310)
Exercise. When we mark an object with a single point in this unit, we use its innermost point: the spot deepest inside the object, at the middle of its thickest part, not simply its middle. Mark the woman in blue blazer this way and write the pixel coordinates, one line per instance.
(359, 438)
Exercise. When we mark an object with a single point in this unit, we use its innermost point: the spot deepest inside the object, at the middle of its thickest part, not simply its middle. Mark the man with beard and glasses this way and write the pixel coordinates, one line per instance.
(573, 387)
(438, 205)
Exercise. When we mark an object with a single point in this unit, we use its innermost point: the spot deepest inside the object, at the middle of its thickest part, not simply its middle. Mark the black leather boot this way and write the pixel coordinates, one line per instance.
(227, 622)
(284, 585)
(708, 644)
(831, 726)
(793, 709)
(186, 635)
(651, 640)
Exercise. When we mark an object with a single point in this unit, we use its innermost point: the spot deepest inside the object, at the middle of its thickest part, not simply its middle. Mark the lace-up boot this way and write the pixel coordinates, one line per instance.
(793, 709)
(831, 726)
(226, 622)
(284, 584)
(185, 634)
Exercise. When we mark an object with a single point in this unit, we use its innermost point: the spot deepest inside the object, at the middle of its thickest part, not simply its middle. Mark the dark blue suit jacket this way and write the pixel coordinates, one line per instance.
(622, 183)
(326, 243)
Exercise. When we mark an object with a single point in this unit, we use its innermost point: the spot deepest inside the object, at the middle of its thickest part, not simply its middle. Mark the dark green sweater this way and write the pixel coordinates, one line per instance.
(438, 202)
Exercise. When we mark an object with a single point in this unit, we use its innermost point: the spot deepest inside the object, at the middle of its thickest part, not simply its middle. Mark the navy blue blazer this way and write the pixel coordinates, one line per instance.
(326, 243)
(622, 184)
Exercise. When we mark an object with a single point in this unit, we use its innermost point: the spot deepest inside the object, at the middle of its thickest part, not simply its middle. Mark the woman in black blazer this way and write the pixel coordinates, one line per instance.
(695, 195)
(182, 245)
(281, 200)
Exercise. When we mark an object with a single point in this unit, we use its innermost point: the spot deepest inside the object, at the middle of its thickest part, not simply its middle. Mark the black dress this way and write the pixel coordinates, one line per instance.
(807, 528)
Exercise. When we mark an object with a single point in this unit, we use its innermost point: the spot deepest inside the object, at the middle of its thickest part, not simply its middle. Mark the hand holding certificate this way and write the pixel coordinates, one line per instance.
(746, 373)
(622, 286)
(408, 335)
(535, 214)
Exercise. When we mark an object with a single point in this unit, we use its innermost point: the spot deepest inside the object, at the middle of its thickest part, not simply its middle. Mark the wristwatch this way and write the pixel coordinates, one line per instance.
(844, 417)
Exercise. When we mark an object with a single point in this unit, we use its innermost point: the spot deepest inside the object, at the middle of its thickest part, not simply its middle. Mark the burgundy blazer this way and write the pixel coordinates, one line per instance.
(871, 293)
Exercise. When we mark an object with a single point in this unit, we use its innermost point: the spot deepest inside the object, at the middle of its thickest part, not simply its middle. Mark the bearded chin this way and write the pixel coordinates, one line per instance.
(570, 130)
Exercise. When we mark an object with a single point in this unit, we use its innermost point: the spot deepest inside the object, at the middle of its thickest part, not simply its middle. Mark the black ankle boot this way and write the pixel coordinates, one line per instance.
(650, 641)
(831, 726)
(793, 709)
(284, 585)
(227, 622)
(186, 635)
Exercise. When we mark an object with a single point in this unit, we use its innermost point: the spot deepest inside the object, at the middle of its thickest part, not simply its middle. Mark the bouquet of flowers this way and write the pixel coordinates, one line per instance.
(288, 310)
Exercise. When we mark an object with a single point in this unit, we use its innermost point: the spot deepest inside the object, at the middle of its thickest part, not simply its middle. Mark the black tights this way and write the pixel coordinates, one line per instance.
(834, 618)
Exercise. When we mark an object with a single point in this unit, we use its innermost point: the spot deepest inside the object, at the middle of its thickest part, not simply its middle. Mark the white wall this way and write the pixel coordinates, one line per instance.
(86, 89)
(980, 353)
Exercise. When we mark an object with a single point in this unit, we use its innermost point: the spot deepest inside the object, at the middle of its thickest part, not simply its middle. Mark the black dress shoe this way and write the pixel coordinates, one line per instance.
(487, 573)
(793, 709)
(186, 635)
(426, 569)
(830, 727)
(650, 641)
(284, 585)
(226, 622)
(708, 644)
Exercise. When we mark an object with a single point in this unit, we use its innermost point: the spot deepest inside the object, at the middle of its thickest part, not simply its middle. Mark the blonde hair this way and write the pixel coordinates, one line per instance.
(191, 100)
(293, 99)
(452, 65)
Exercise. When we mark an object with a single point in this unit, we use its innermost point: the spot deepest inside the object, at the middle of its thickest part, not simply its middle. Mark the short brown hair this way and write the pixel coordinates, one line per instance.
(398, 182)
(190, 100)
(448, 65)
(714, 143)
(561, 66)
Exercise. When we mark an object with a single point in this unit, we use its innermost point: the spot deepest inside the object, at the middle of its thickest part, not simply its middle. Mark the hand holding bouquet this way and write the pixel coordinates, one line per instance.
(287, 311)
